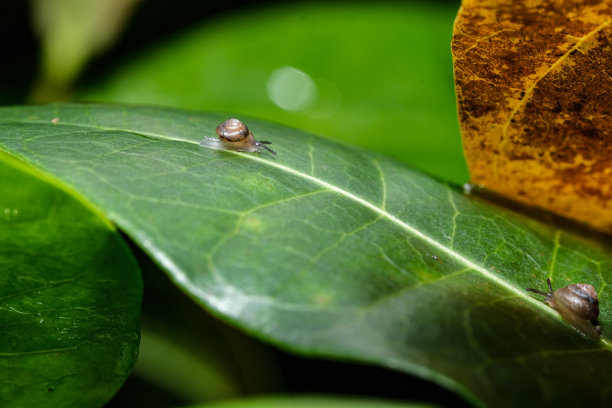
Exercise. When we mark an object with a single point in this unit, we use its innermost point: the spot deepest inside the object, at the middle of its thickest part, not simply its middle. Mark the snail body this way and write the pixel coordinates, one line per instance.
(577, 304)
(235, 135)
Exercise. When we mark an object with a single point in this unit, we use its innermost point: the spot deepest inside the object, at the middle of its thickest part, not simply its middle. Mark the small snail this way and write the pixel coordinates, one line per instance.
(234, 135)
(578, 305)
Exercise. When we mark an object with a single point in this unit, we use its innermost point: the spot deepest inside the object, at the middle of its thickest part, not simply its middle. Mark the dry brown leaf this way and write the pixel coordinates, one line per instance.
(534, 92)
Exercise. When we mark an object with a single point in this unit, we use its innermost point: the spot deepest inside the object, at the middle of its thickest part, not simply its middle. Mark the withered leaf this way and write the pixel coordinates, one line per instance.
(534, 91)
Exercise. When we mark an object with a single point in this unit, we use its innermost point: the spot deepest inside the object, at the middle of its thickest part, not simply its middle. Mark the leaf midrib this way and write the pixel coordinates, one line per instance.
(372, 207)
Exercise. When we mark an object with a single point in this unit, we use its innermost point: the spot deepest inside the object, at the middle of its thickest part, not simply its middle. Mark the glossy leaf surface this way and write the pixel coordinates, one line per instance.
(330, 250)
(70, 295)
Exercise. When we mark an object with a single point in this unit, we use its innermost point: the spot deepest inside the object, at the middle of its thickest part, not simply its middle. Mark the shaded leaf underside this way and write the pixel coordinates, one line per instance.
(330, 250)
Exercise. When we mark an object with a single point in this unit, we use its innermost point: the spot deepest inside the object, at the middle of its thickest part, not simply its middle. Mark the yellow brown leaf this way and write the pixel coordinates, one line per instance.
(534, 92)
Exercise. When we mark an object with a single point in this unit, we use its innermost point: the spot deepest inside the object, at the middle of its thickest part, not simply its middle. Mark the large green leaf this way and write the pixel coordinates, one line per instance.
(330, 250)
(375, 74)
(70, 295)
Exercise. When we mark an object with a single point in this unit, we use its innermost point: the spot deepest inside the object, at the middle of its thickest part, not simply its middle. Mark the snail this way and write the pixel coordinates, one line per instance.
(577, 304)
(234, 135)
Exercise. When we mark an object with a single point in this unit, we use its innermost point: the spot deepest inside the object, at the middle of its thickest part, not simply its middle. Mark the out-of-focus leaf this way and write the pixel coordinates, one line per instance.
(70, 296)
(174, 367)
(534, 87)
(71, 32)
(378, 75)
(330, 250)
(310, 402)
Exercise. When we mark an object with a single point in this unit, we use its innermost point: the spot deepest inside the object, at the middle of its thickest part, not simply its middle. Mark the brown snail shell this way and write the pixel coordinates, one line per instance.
(235, 135)
(233, 130)
(577, 304)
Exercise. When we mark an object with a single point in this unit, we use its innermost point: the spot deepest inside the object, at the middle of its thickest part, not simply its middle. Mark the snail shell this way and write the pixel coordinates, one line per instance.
(235, 135)
(233, 131)
(577, 304)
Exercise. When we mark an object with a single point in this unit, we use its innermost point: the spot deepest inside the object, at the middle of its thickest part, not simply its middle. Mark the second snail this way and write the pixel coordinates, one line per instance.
(577, 304)
(235, 135)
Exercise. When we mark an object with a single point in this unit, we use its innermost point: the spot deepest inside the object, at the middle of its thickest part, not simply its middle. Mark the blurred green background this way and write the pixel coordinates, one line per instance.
(378, 75)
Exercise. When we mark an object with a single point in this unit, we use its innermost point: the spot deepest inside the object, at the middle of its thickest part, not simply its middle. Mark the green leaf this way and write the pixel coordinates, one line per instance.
(70, 296)
(378, 75)
(310, 402)
(330, 250)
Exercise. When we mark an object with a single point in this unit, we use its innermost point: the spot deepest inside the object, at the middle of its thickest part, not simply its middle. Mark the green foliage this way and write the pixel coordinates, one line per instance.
(70, 295)
(378, 75)
(326, 249)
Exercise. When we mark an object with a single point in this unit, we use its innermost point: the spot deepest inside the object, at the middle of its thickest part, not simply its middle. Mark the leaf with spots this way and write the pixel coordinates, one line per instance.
(70, 295)
(330, 250)
(534, 91)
